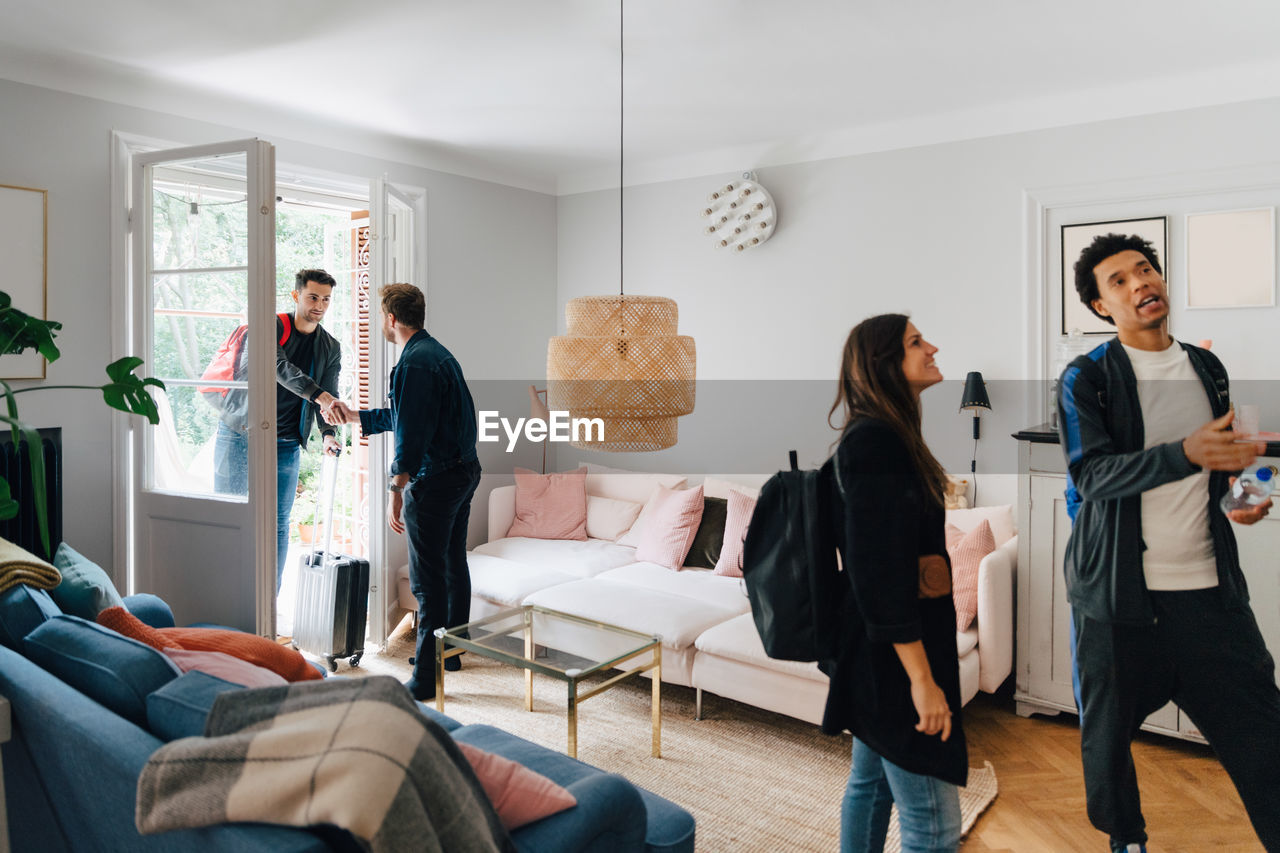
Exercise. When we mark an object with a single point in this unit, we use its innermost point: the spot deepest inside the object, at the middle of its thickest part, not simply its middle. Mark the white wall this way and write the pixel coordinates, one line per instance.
(936, 232)
(490, 255)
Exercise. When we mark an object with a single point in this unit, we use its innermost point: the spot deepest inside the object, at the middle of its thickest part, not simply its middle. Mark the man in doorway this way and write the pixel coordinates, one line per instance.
(434, 471)
(308, 359)
(1160, 610)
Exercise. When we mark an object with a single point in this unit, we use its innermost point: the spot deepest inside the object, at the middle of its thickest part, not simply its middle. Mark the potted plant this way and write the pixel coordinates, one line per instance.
(19, 332)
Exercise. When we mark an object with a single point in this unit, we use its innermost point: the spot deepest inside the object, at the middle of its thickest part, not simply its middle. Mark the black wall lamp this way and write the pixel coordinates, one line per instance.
(975, 398)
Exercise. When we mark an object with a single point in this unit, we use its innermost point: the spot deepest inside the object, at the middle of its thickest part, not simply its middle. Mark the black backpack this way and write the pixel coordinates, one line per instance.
(789, 564)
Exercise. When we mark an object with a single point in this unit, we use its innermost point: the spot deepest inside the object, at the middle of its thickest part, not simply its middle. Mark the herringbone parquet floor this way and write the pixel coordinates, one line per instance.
(1189, 803)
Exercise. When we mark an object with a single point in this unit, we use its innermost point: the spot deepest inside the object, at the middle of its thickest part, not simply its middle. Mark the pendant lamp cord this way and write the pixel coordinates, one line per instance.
(622, 16)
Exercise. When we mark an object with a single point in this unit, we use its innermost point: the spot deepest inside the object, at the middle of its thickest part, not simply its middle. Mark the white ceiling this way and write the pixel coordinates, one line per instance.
(526, 91)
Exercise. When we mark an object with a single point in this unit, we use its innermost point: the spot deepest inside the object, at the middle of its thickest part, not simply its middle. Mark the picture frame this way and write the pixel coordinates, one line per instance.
(24, 244)
(1231, 258)
(1075, 237)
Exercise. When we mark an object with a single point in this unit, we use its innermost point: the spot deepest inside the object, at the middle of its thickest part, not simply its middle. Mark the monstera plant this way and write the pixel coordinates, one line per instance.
(19, 332)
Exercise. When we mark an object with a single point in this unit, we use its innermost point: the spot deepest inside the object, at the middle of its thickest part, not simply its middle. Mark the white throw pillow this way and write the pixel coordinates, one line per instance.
(623, 485)
(999, 517)
(632, 537)
(608, 518)
(716, 487)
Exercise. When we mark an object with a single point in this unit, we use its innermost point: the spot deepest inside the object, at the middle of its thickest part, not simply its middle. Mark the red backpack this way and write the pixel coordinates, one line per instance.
(227, 359)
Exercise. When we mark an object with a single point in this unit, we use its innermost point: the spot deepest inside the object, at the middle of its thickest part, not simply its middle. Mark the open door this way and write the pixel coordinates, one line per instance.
(203, 265)
(395, 216)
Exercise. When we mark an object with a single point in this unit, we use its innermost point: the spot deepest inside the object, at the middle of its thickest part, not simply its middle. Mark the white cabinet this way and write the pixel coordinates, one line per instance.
(1043, 664)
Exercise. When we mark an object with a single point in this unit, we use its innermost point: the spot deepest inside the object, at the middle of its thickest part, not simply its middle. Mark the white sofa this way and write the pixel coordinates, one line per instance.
(709, 639)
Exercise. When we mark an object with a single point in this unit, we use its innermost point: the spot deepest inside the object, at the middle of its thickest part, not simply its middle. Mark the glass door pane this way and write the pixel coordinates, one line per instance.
(198, 282)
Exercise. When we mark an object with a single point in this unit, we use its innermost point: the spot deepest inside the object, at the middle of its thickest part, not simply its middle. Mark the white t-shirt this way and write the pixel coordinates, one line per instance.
(1175, 516)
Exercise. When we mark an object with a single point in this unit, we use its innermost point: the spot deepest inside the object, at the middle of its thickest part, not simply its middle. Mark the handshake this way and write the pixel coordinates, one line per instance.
(335, 411)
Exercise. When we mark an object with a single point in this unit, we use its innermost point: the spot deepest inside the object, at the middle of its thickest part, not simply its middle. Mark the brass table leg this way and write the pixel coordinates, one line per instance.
(440, 673)
(528, 654)
(656, 710)
(573, 719)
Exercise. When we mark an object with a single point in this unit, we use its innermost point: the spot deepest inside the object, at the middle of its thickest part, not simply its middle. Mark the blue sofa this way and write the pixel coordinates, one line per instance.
(71, 768)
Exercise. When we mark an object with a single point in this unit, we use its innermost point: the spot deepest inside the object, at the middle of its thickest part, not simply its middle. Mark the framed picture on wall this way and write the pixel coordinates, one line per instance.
(1074, 240)
(24, 249)
(1231, 259)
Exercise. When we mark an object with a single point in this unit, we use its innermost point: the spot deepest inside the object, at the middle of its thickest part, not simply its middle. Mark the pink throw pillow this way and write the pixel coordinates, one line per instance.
(550, 506)
(673, 521)
(519, 795)
(737, 519)
(967, 551)
(224, 666)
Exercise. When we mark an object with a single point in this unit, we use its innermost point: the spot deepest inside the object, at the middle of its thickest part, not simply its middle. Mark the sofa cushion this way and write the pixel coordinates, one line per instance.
(966, 641)
(224, 666)
(179, 708)
(86, 590)
(737, 639)
(671, 527)
(967, 551)
(720, 486)
(622, 485)
(282, 660)
(23, 609)
(738, 514)
(508, 582)
(707, 542)
(999, 517)
(550, 506)
(698, 584)
(519, 795)
(608, 518)
(677, 619)
(580, 559)
(111, 669)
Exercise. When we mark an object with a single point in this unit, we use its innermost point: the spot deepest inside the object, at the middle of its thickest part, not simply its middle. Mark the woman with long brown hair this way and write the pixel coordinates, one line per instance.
(896, 684)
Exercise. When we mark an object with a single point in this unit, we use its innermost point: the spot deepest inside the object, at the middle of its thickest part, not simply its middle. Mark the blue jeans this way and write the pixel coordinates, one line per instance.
(928, 808)
(231, 477)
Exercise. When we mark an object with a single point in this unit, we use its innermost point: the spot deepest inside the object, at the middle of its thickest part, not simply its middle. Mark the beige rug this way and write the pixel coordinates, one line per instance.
(752, 779)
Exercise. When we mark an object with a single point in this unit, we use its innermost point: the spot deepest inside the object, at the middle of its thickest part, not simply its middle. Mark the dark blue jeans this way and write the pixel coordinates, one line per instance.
(437, 509)
(231, 477)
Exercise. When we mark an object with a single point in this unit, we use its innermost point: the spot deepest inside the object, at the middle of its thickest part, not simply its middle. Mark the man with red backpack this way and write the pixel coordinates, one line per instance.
(308, 359)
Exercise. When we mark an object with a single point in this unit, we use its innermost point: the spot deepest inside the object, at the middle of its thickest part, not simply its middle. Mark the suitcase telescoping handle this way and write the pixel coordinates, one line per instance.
(328, 490)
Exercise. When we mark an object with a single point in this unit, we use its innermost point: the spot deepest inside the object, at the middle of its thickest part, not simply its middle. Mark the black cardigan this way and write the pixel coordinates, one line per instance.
(885, 525)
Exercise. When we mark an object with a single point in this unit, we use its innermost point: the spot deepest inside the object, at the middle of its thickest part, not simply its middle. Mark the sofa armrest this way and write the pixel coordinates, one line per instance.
(995, 615)
(150, 609)
(502, 511)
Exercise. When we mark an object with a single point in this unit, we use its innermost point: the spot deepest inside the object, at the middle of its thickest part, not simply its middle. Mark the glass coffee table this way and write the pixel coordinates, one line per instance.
(567, 648)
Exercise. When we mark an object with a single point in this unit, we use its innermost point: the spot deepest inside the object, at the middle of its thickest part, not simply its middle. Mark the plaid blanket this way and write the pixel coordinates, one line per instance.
(18, 565)
(355, 753)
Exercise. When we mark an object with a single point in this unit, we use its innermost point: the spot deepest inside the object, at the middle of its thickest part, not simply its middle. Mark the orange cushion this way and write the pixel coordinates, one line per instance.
(282, 660)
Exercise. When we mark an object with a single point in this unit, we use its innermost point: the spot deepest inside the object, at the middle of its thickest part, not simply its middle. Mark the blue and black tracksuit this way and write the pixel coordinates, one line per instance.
(1136, 649)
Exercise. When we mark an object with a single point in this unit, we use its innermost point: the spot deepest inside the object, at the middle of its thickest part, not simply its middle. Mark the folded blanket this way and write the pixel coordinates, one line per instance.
(18, 565)
(355, 753)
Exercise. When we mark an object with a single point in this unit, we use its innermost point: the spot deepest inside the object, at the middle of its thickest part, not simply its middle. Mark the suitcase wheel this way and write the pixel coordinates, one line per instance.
(355, 659)
(333, 664)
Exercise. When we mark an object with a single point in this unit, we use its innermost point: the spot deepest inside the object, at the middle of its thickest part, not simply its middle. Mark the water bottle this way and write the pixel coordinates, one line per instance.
(1251, 488)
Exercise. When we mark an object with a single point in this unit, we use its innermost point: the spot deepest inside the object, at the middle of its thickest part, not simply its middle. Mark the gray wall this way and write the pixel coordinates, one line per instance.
(490, 259)
(936, 232)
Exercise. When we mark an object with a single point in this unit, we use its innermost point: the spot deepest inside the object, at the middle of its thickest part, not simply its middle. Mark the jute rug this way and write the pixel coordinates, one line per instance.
(752, 779)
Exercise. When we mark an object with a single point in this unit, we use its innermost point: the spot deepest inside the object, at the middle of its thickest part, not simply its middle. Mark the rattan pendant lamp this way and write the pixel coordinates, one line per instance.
(622, 361)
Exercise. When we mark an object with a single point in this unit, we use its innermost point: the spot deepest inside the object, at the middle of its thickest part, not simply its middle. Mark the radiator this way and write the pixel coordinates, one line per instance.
(15, 467)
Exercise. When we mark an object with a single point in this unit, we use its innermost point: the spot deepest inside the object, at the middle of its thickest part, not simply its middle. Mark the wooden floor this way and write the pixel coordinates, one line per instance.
(1189, 803)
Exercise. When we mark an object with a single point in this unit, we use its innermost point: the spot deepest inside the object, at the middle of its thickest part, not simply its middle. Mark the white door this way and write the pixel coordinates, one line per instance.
(395, 215)
(203, 264)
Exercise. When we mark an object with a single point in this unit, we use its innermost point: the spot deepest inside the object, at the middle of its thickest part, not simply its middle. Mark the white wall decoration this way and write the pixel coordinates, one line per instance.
(741, 214)
(1231, 259)
(23, 245)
